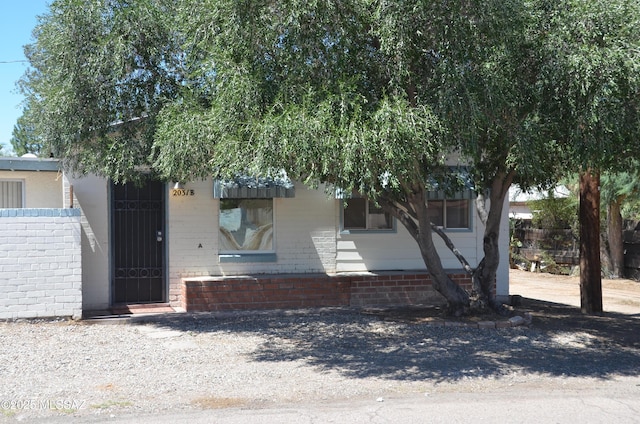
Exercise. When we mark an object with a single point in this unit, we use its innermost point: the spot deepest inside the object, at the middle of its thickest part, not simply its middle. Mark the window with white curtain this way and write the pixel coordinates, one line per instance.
(11, 194)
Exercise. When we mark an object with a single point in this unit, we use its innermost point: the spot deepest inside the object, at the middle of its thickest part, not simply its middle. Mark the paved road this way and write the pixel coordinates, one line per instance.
(606, 404)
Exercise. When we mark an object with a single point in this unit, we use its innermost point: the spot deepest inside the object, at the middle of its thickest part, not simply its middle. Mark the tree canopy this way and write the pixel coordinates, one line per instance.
(367, 95)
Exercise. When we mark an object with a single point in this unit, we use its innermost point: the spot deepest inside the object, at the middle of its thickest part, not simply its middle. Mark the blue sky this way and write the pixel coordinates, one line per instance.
(17, 20)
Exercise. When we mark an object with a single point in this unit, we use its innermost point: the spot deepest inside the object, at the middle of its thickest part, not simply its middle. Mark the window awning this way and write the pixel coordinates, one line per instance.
(458, 195)
(455, 183)
(246, 187)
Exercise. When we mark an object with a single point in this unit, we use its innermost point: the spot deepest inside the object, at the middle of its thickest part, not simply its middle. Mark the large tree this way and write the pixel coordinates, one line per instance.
(591, 84)
(363, 95)
(369, 96)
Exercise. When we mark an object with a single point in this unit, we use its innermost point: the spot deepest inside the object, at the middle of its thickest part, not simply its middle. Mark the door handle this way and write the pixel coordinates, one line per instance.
(158, 235)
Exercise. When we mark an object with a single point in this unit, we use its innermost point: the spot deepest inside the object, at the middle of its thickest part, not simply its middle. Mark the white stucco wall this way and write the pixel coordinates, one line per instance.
(42, 189)
(91, 196)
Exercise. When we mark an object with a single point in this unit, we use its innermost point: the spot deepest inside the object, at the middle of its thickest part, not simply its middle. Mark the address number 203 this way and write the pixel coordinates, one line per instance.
(182, 192)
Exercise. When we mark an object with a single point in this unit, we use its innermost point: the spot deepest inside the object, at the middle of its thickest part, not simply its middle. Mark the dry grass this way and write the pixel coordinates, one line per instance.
(213, 402)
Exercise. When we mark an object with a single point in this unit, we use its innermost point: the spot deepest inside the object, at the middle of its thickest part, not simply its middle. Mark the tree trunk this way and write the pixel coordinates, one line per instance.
(590, 269)
(419, 227)
(614, 238)
(487, 269)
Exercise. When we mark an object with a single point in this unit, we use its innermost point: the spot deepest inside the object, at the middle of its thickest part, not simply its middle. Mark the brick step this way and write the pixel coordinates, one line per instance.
(142, 308)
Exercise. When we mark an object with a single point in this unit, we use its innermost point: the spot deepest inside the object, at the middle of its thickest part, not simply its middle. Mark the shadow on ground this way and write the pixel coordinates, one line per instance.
(560, 342)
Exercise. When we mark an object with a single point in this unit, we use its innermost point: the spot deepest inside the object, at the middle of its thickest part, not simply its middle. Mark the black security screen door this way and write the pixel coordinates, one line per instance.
(138, 242)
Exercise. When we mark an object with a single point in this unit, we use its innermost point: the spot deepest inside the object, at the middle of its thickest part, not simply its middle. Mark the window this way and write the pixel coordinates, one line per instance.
(451, 214)
(361, 214)
(246, 225)
(11, 194)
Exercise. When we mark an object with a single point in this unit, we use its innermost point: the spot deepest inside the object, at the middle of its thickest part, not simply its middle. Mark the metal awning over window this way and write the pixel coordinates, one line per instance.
(245, 187)
(458, 195)
(454, 183)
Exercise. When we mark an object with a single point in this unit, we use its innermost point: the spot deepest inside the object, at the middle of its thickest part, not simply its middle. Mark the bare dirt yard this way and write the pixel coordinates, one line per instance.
(554, 302)
(620, 295)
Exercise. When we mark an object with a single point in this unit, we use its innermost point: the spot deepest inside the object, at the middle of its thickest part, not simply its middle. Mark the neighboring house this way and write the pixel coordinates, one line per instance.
(519, 200)
(204, 245)
(40, 248)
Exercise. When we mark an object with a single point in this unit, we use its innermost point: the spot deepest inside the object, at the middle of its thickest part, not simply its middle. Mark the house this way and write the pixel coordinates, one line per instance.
(40, 252)
(249, 244)
(519, 200)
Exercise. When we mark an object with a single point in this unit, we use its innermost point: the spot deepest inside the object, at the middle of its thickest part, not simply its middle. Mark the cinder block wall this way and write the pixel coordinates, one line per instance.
(40, 263)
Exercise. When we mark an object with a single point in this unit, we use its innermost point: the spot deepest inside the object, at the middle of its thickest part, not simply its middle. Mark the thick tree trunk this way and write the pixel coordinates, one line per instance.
(487, 269)
(590, 269)
(614, 238)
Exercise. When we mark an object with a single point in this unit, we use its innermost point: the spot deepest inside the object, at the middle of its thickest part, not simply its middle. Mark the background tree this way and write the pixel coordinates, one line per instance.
(591, 87)
(616, 189)
(553, 212)
(24, 138)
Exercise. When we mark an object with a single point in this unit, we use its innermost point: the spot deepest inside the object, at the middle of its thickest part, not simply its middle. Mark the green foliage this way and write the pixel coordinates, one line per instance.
(361, 94)
(100, 72)
(622, 187)
(555, 213)
(591, 79)
(24, 138)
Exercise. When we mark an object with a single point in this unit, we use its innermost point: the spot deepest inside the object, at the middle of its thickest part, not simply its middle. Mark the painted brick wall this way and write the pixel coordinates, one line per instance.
(305, 237)
(40, 263)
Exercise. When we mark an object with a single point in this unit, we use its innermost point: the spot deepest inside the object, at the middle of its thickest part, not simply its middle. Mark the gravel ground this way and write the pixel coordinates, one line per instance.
(254, 360)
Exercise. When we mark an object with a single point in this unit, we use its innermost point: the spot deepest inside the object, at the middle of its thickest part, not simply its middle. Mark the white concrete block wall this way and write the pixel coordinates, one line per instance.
(40, 263)
(397, 250)
(191, 234)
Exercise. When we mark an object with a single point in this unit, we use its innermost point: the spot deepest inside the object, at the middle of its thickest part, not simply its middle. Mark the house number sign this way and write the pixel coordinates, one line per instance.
(182, 192)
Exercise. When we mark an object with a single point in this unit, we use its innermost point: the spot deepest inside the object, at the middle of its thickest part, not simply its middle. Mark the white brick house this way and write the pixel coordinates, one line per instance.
(201, 246)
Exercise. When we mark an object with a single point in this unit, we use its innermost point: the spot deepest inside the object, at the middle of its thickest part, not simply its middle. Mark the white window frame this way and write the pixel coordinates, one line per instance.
(22, 192)
(444, 225)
